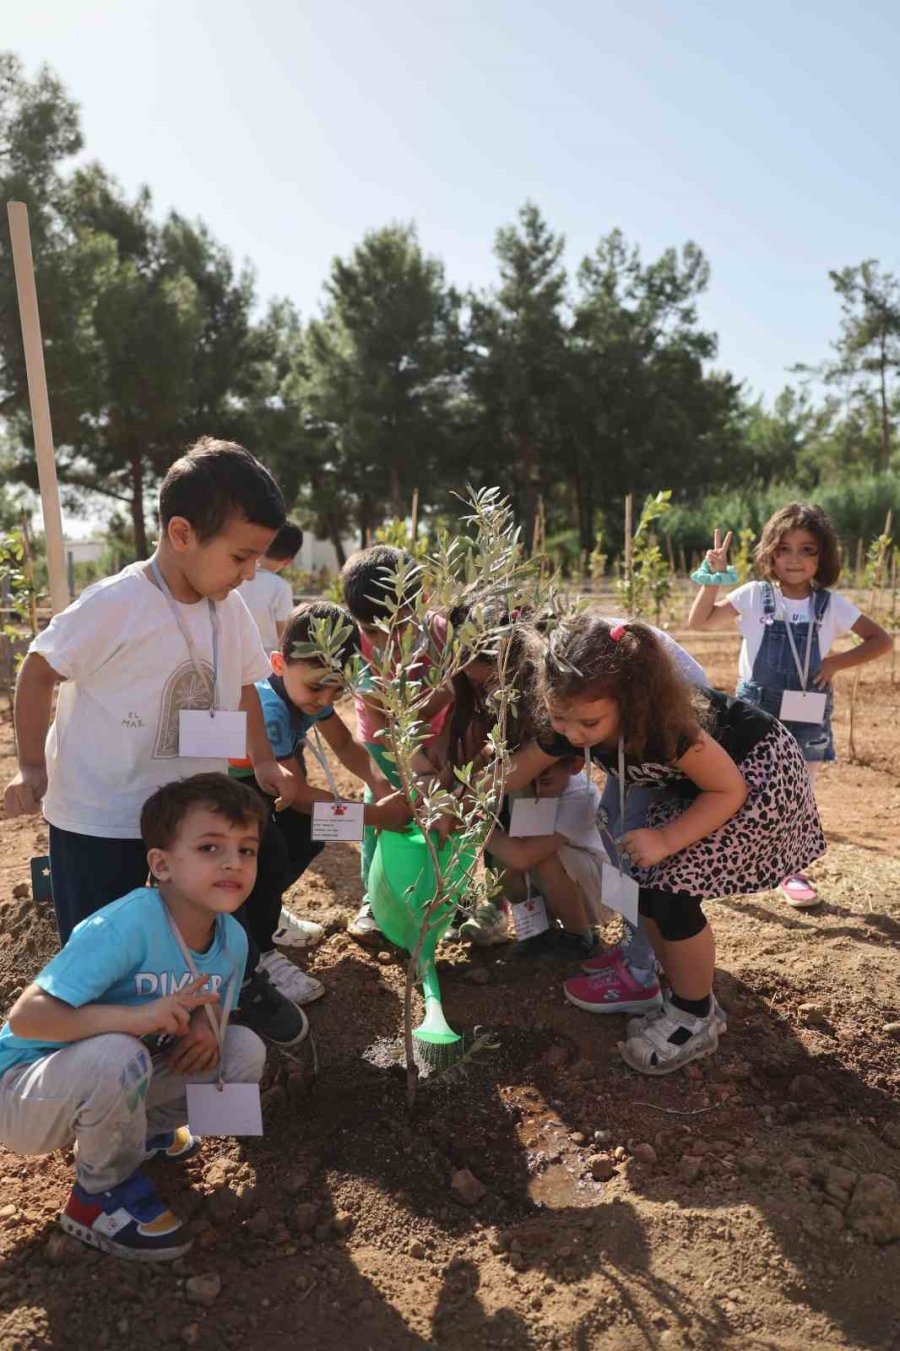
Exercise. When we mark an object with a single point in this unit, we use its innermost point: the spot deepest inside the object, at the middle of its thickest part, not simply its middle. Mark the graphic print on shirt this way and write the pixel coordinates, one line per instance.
(184, 689)
(161, 984)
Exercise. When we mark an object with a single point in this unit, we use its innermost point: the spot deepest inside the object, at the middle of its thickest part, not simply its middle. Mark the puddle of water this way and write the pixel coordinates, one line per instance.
(557, 1189)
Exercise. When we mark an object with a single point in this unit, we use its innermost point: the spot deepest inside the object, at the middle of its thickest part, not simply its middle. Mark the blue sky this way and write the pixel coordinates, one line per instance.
(760, 131)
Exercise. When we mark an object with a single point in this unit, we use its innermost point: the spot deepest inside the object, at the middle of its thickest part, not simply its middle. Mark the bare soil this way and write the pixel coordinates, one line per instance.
(753, 1200)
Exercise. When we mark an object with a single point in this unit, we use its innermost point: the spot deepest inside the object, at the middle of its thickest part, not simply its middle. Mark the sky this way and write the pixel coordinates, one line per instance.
(762, 132)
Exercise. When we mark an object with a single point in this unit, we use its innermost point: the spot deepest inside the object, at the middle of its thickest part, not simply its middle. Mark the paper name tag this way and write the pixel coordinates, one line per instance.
(338, 820)
(533, 816)
(235, 1109)
(802, 706)
(224, 735)
(620, 893)
(530, 917)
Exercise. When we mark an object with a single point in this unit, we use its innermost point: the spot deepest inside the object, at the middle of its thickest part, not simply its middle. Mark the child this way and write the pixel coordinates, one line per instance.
(132, 655)
(296, 699)
(270, 600)
(737, 815)
(98, 1051)
(789, 622)
(566, 865)
(370, 581)
(268, 596)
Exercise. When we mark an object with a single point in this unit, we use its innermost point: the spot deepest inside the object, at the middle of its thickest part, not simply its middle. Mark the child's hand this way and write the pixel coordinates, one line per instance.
(717, 556)
(171, 1015)
(827, 671)
(197, 1051)
(645, 847)
(25, 791)
(277, 781)
(394, 812)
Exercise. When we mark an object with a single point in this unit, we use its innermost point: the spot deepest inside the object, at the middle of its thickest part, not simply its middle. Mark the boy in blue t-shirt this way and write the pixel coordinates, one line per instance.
(296, 701)
(99, 1049)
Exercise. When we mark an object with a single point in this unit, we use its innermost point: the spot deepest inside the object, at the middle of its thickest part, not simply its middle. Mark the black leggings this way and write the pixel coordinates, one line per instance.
(676, 915)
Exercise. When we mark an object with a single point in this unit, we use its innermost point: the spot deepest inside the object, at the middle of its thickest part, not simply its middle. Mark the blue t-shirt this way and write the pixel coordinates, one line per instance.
(286, 725)
(126, 953)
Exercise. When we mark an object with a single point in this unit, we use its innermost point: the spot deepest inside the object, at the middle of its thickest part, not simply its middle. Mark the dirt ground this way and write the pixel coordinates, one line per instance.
(751, 1202)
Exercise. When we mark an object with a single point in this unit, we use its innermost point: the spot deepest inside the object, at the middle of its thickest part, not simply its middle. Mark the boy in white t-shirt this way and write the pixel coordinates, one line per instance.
(567, 866)
(135, 656)
(268, 596)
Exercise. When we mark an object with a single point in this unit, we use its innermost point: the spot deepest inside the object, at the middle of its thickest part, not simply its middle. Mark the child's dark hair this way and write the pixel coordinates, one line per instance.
(164, 811)
(368, 579)
(659, 716)
(286, 544)
(473, 714)
(299, 625)
(799, 516)
(215, 481)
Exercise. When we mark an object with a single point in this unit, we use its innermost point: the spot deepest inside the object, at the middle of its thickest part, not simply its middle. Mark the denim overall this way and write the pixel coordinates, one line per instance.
(774, 671)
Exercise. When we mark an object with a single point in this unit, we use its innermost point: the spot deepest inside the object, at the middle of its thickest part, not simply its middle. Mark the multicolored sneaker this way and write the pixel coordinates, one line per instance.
(668, 1040)
(614, 990)
(128, 1221)
(174, 1146)
(486, 927)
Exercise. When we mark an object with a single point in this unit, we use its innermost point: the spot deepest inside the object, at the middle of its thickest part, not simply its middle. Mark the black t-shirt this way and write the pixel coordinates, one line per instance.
(736, 725)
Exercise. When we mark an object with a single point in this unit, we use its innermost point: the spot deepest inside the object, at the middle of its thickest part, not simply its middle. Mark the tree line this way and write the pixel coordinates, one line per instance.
(567, 389)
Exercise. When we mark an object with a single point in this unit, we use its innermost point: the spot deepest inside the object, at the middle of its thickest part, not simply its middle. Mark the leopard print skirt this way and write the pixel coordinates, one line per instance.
(776, 833)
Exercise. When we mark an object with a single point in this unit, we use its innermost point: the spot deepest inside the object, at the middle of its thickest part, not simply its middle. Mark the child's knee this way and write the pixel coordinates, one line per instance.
(245, 1055)
(120, 1067)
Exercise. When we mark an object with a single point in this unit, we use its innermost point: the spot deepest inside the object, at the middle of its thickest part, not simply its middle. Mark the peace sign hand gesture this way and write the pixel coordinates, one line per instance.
(717, 556)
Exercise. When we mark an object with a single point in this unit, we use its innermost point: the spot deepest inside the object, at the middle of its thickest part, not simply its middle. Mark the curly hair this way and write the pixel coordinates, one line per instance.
(799, 516)
(659, 712)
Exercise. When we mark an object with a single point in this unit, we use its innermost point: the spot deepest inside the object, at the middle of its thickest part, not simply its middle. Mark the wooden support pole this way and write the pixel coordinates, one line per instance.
(40, 403)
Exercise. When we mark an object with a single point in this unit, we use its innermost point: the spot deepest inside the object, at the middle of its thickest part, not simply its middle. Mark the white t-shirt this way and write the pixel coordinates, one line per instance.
(127, 674)
(576, 815)
(270, 600)
(839, 618)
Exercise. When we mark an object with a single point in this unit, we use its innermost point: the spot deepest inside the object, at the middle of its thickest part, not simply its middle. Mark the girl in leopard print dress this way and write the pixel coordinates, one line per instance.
(737, 816)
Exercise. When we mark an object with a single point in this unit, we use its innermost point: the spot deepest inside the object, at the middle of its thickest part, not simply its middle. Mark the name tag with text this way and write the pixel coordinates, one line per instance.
(533, 816)
(338, 820)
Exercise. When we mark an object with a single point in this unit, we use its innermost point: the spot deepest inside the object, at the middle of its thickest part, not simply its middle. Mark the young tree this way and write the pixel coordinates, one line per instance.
(868, 350)
(379, 377)
(519, 361)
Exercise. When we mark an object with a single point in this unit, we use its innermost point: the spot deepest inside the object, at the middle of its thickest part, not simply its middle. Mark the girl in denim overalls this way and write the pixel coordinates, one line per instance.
(789, 620)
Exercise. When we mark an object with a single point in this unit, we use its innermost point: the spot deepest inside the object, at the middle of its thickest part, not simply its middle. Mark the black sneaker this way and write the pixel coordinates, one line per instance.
(538, 945)
(573, 947)
(269, 1014)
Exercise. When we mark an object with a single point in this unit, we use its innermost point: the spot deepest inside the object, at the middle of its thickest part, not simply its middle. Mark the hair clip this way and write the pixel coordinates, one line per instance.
(617, 633)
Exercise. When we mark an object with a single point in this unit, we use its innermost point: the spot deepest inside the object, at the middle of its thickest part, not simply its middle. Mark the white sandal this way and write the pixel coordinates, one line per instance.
(660, 1045)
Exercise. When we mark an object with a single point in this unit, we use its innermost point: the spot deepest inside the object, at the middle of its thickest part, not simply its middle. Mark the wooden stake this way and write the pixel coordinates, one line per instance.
(414, 517)
(628, 560)
(40, 403)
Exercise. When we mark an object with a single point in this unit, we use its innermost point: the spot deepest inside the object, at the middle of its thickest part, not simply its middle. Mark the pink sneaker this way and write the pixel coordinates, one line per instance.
(799, 892)
(612, 991)
(604, 961)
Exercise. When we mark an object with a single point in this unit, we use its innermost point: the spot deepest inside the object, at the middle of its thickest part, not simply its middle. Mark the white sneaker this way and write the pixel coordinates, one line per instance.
(364, 928)
(669, 1040)
(289, 980)
(294, 932)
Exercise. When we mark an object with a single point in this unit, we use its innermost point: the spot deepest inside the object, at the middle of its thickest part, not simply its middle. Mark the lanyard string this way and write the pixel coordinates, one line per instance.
(219, 1027)
(319, 753)
(802, 671)
(189, 642)
(615, 840)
